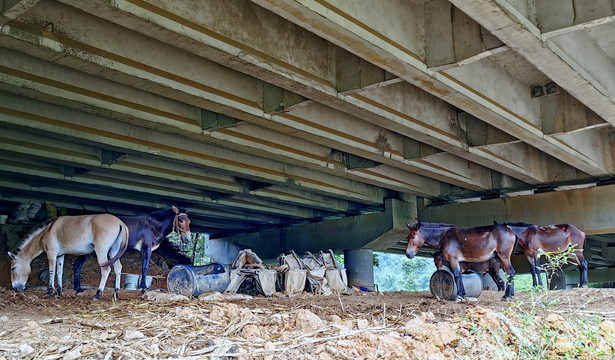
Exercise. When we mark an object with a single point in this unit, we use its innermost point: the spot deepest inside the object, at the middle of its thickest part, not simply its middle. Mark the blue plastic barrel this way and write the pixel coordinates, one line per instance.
(192, 281)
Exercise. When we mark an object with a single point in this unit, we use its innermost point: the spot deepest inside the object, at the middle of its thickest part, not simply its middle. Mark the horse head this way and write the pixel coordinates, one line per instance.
(415, 239)
(20, 270)
(181, 223)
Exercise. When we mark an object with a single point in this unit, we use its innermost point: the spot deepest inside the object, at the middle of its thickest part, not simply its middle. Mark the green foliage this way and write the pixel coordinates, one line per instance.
(556, 260)
(340, 259)
(396, 272)
(523, 282)
(545, 335)
(193, 249)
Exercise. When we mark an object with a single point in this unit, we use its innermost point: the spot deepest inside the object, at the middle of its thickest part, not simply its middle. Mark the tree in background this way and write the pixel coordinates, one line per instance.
(396, 272)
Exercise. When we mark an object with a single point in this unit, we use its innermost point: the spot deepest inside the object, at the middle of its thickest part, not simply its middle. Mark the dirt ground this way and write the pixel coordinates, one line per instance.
(402, 325)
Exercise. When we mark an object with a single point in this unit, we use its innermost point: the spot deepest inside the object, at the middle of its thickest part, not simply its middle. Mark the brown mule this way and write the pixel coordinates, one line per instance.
(457, 244)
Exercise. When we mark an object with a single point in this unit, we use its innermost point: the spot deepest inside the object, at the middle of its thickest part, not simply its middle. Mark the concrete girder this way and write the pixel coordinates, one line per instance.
(11, 9)
(244, 134)
(478, 74)
(352, 30)
(59, 151)
(67, 196)
(92, 195)
(352, 232)
(557, 16)
(316, 78)
(186, 122)
(130, 138)
(179, 192)
(452, 39)
(591, 209)
(557, 58)
(370, 141)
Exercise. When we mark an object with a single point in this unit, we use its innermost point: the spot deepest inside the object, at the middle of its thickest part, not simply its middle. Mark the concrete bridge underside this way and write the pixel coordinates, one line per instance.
(312, 124)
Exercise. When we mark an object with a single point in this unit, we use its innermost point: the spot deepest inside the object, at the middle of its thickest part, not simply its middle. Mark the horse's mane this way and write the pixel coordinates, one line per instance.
(33, 232)
(518, 223)
(437, 225)
(164, 213)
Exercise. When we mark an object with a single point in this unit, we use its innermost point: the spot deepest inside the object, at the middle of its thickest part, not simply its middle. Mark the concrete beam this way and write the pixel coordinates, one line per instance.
(356, 136)
(11, 9)
(309, 75)
(558, 59)
(86, 127)
(558, 16)
(591, 209)
(159, 113)
(401, 53)
(375, 230)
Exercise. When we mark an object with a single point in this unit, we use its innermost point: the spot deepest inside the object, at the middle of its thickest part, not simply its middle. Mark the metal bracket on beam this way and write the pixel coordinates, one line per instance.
(549, 88)
(277, 99)
(210, 120)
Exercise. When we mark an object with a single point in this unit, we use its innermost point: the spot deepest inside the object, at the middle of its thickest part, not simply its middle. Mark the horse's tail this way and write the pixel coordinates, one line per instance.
(123, 246)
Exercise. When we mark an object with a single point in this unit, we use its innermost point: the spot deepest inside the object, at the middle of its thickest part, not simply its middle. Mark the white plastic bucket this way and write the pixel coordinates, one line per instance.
(148, 281)
(131, 281)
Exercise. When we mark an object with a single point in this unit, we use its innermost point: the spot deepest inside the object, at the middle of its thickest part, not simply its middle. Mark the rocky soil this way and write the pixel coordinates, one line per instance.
(577, 323)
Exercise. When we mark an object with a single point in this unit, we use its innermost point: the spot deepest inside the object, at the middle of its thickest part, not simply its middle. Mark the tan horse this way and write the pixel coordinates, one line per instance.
(74, 235)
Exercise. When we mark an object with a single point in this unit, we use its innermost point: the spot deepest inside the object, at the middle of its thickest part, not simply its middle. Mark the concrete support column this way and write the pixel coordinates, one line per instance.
(359, 265)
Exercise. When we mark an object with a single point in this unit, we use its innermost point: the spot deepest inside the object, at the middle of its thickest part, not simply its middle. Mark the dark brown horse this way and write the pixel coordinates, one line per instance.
(553, 239)
(146, 234)
(491, 266)
(477, 245)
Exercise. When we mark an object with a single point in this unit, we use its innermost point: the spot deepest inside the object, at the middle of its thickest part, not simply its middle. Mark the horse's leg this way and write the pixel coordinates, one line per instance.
(101, 257)
(461, 291)
(59, 273)
(510, 283)
(117, 269)
(51, 259)
(582, 264)
(146, 254)
(496, 278)
(104, 275)
(538, 271)
(79, 261)
(532, 261)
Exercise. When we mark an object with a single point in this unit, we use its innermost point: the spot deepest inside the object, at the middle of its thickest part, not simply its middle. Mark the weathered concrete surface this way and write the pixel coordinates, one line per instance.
(591, 209)
(352, 232)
